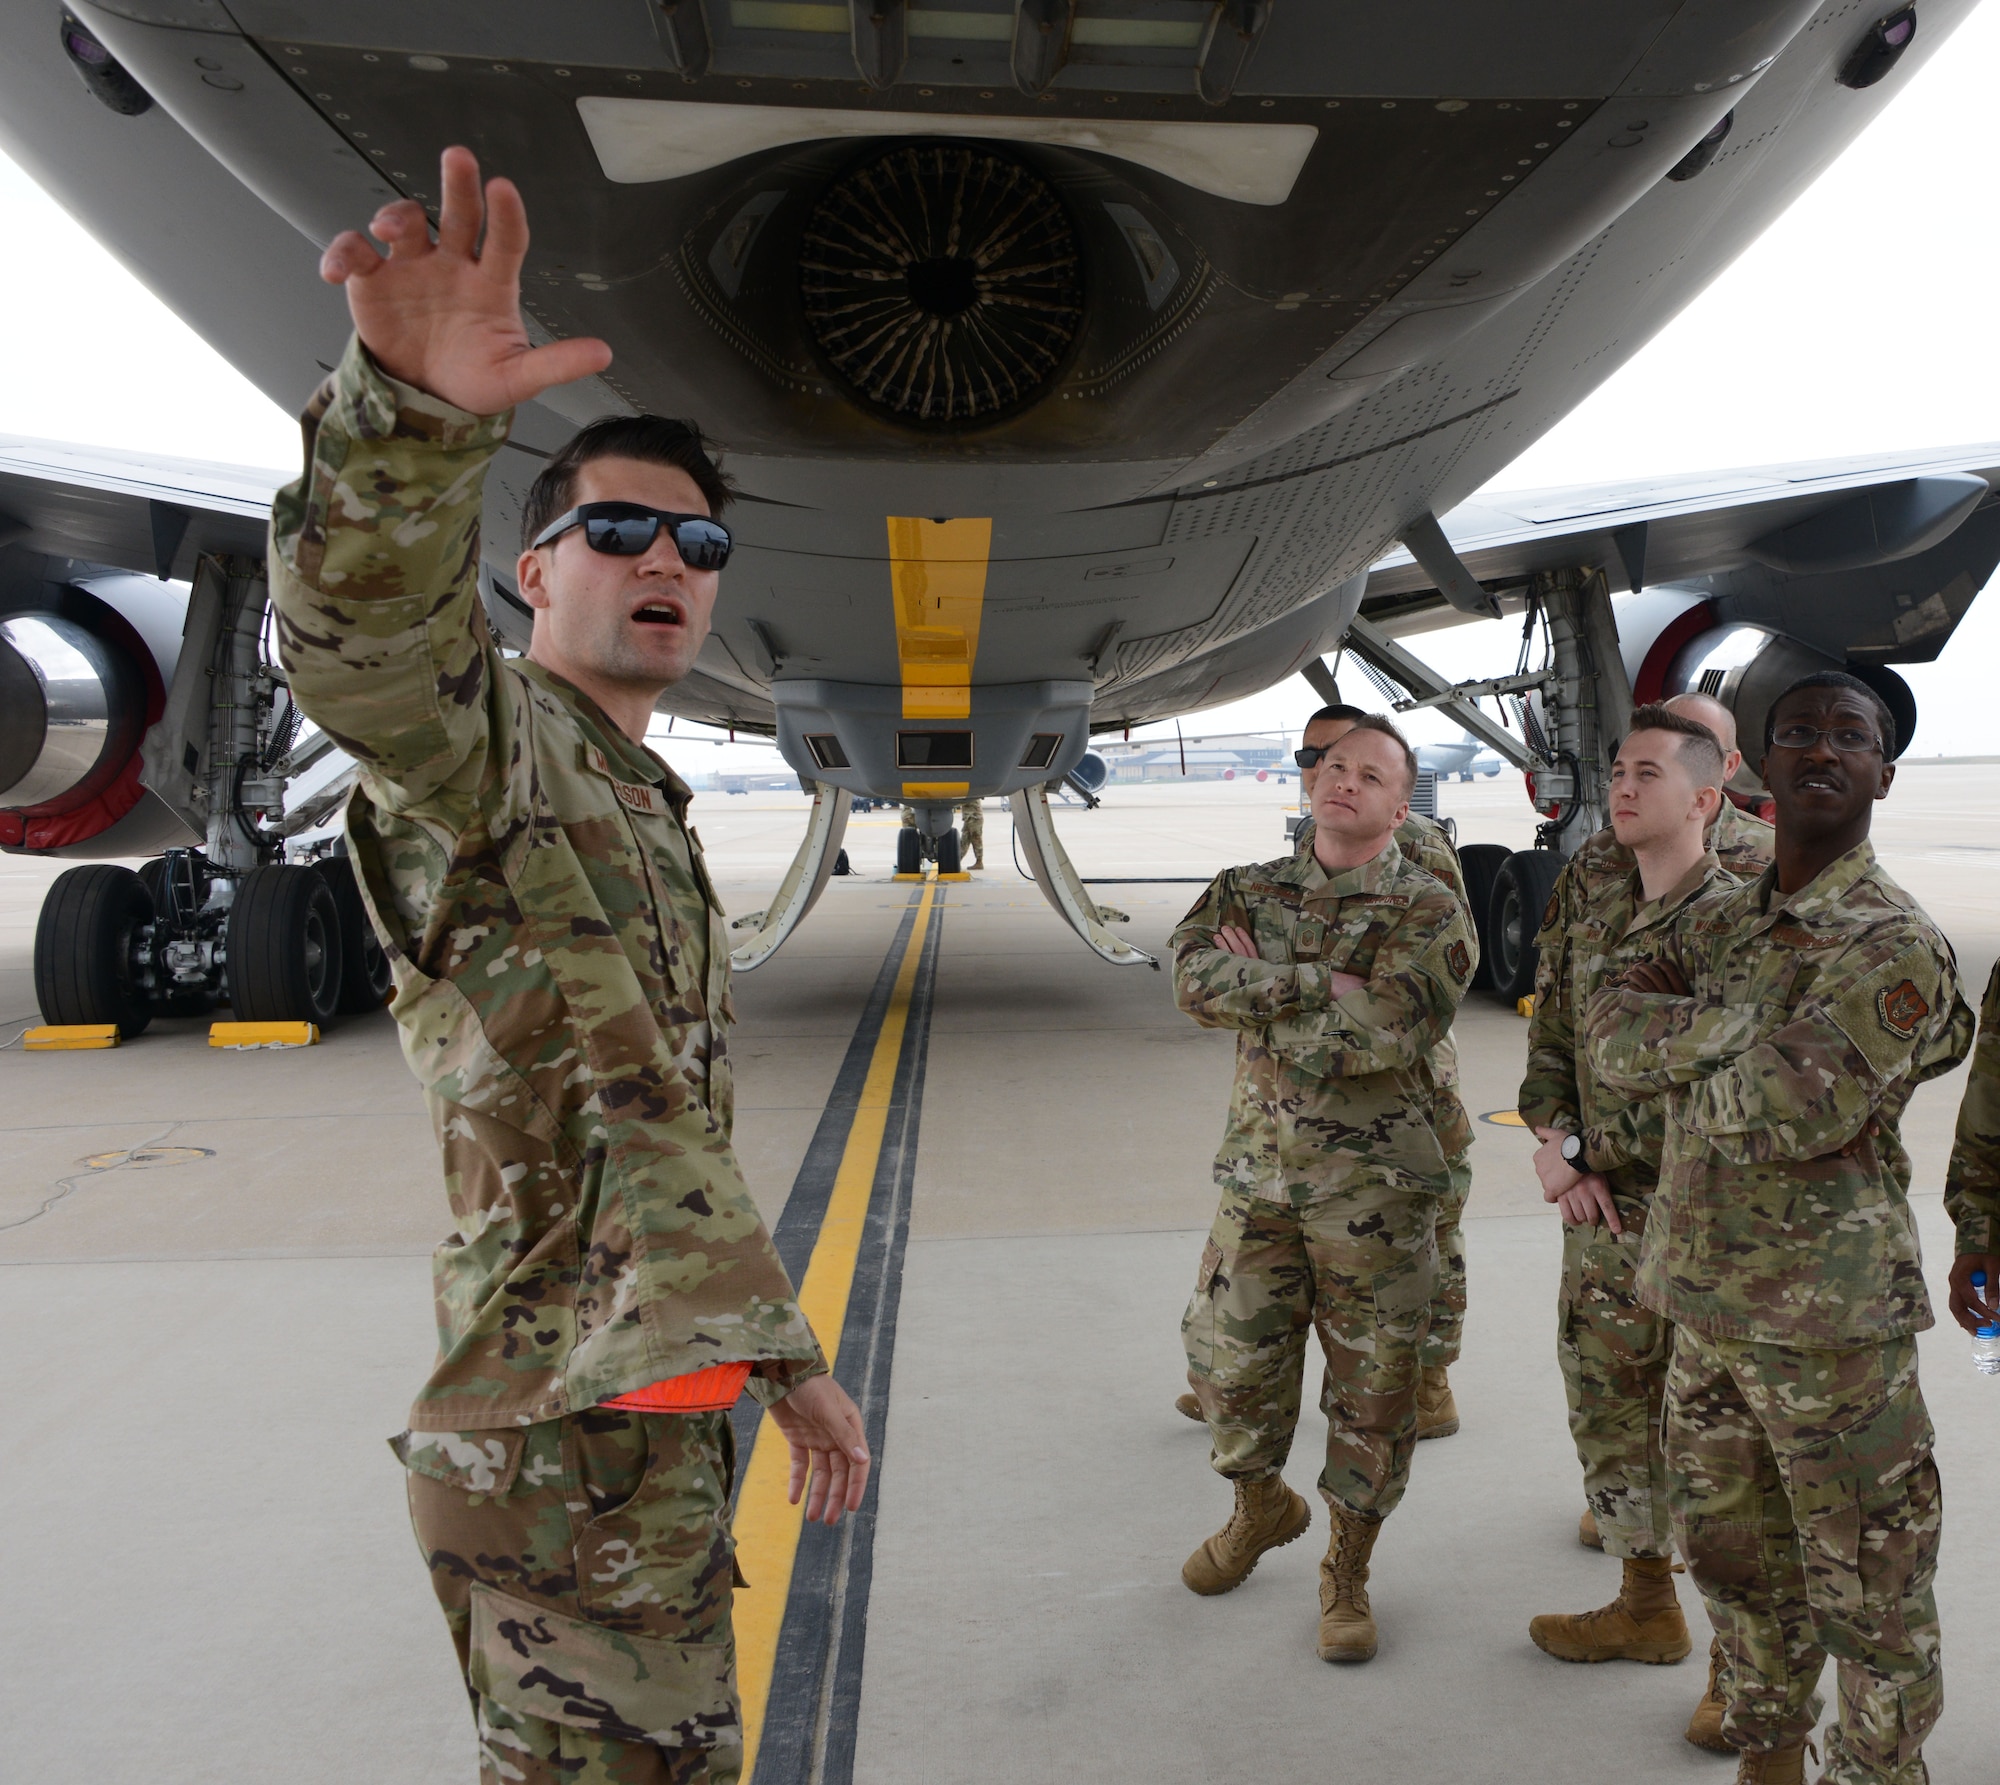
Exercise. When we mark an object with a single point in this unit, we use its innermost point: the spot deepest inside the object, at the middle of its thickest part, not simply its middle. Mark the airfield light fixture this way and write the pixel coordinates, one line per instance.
(1880, 49)
(101, 71)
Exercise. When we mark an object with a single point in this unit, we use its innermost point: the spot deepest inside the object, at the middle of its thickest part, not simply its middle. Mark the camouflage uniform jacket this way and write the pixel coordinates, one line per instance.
(1425, 845)
(1972, 1187)
(1599, 922)
(560, 960)
(1330, 1089)
(1782, 1215)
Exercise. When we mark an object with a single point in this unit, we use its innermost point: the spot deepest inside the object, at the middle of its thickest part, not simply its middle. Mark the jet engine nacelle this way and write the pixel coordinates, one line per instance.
(78, 687)
(1091, 771)
(1747, 667)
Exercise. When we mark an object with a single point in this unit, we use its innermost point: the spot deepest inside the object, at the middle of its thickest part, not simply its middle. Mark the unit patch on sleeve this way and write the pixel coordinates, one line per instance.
(1902, 1008)
(1459, 961)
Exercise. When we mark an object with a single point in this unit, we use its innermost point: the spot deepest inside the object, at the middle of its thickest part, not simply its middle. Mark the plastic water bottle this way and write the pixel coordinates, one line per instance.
(1986, 1341)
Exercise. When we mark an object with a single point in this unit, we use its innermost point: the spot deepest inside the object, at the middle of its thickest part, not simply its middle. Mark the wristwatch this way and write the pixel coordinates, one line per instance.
(1572, 1153)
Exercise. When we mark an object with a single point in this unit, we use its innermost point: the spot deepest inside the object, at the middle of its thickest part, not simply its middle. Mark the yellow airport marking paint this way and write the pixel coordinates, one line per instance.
(240, 1036)
(937, 575)
(767, 1527)
(61, 1038)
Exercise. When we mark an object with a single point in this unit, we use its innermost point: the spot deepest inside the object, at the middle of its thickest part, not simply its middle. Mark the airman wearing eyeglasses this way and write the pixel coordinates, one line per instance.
(1783, 1027)
(608, 1289)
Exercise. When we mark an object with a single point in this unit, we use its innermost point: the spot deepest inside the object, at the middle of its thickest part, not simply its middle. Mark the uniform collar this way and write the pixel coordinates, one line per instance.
(629, 761)
(1372, 876)
(1821, 898)
(1676, 895)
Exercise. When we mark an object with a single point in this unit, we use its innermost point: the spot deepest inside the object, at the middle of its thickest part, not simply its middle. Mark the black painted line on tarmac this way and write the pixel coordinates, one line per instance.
(797, 1232)
(815, 1696)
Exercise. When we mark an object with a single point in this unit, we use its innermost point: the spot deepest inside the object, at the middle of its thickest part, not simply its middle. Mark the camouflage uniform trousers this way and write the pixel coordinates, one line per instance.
(1614, 1352)
(1447, 1329)
(589, 1597)
(1358, 1265)
(1808, 1507)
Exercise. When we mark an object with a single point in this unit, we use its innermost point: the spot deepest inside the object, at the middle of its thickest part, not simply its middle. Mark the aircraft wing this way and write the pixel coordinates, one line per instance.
(1857, 532)
(153, 515)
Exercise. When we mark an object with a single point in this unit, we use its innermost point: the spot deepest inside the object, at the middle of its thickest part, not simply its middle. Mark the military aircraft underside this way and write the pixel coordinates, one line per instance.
(1082, 363)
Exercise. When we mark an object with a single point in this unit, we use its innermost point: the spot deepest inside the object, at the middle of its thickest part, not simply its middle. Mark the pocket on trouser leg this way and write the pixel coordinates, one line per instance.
(1198, 1323)
(540, 1663)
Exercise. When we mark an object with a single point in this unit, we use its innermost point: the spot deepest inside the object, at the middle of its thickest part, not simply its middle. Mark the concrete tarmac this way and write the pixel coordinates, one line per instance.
(215, 1293)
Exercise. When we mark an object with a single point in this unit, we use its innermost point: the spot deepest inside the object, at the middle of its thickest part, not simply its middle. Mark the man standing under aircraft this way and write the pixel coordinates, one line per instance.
(1785, 1027)
(1600, 1160)
(1425, 845)
(1603, 1329)
(1340, 971)
(562, 987)
(1602, 869)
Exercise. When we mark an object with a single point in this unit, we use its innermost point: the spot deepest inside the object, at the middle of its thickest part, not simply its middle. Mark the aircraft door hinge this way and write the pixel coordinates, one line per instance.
(683, 34)
(879, 30)
(1234, 29)
(1041, 42)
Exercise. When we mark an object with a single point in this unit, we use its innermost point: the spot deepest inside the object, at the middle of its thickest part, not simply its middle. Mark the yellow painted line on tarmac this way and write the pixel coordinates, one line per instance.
(767, 1527)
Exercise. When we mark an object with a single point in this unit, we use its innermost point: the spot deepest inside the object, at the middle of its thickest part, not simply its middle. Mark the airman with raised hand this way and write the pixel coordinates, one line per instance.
(1784, 1029)
(1339, 972)
(561, 974)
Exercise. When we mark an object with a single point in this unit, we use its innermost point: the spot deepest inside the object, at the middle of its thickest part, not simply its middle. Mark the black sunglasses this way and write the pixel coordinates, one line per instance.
(626, 530)
(1312, 755)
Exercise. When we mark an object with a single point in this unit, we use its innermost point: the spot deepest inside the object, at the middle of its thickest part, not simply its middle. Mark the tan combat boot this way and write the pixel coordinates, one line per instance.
(1643, 1623)
(1188, 1406)
(1346, 1625)
(1268, 1514)
(1587, 1532)
(1437, 1412)
(1705, 1726)
(1775, 1766)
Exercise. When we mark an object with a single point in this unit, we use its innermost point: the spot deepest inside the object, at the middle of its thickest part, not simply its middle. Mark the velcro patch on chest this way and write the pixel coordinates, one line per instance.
(1553, 909)
(1902, 1007)
(633, 795)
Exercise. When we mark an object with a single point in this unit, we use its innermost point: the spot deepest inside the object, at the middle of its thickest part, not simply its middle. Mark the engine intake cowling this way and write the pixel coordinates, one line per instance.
(72, 708)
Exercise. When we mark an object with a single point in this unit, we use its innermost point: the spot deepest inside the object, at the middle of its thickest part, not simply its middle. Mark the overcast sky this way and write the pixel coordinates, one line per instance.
(1861, 322)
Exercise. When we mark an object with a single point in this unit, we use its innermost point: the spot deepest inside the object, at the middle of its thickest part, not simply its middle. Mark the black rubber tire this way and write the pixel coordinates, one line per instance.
(1520, 895)
(365, 979)
(1480, 863)
(83, 949)
(909, 851)
(284, 947)
(947, 853)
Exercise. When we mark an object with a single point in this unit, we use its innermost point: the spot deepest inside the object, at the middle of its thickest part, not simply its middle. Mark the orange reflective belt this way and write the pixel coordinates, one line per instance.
(713, 1390)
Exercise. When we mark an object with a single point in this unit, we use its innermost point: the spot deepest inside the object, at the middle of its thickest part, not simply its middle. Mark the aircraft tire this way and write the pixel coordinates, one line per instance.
(83, 949)
(947, 853)
(365, 979)
(1481, 863)
(1520, 894)
(909, 851)
(284, 947)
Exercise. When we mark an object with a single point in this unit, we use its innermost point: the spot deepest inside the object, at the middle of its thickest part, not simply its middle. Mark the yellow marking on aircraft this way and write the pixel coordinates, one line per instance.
(936, 790)
(937, 574)
(767, 1526)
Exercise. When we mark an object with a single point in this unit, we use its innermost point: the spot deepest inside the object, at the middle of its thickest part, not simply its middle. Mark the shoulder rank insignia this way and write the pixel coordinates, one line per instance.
(1902, 1008)
(1458, 960)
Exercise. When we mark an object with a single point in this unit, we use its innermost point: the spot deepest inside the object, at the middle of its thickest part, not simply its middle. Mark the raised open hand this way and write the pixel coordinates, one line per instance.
(446, 315)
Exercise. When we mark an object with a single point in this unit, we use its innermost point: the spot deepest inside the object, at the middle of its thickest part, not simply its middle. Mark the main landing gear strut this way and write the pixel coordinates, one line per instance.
(1571, 709)
(232, 922)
